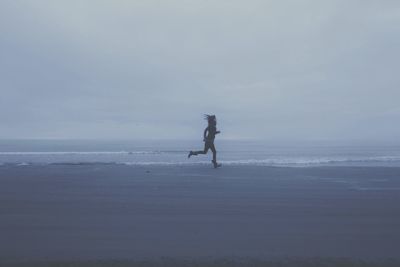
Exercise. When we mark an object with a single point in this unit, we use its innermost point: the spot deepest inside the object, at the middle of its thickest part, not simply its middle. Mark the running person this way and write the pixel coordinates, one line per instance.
(209, 136)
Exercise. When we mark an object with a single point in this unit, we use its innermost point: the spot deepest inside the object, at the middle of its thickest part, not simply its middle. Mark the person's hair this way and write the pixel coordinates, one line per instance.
(210, 118)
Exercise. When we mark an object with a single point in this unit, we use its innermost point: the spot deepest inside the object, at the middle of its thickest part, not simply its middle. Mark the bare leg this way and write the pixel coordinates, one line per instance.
(204, 151)
(214, 151)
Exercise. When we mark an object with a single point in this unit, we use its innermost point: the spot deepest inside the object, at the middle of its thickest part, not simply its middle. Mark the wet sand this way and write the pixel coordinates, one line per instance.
(95, 212)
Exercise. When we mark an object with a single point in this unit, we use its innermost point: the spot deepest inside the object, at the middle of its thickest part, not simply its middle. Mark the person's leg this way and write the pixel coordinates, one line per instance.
(214, 151)
(204, 151)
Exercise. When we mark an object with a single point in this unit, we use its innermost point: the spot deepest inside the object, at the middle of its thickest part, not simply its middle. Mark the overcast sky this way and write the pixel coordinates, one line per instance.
(276, 70)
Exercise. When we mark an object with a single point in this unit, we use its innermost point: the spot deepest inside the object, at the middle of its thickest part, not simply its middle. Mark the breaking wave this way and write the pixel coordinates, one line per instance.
(284, 162)
(83, 153)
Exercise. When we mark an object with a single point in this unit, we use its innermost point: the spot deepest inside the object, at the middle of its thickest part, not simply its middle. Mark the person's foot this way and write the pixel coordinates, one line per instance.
(190, 154)
(216, 165)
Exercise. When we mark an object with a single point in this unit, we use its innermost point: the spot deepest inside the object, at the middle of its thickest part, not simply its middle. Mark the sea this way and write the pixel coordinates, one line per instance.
(175, 152)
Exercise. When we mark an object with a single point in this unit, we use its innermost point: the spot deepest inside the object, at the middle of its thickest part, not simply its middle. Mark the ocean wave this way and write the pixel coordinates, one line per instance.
(274, 162)
(310, 161)
(62, 153)
(288, 162)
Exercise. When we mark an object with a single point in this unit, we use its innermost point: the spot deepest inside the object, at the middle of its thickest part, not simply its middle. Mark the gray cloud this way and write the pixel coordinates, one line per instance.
(149, 69)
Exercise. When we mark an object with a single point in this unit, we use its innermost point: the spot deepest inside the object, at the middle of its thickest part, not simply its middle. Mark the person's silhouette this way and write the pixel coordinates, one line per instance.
(209, 136)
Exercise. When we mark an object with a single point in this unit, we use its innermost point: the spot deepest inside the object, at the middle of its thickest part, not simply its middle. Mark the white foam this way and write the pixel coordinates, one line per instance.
(309, 161)
(271, 162)
(163, 163)
(168, 158)
(78, 153)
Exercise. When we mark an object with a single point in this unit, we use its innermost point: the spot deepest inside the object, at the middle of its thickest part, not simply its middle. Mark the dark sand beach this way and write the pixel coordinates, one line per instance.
(117, 215)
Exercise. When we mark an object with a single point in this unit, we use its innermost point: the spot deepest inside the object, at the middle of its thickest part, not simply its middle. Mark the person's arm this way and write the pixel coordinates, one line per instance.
(217, 132)
(205, 134)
